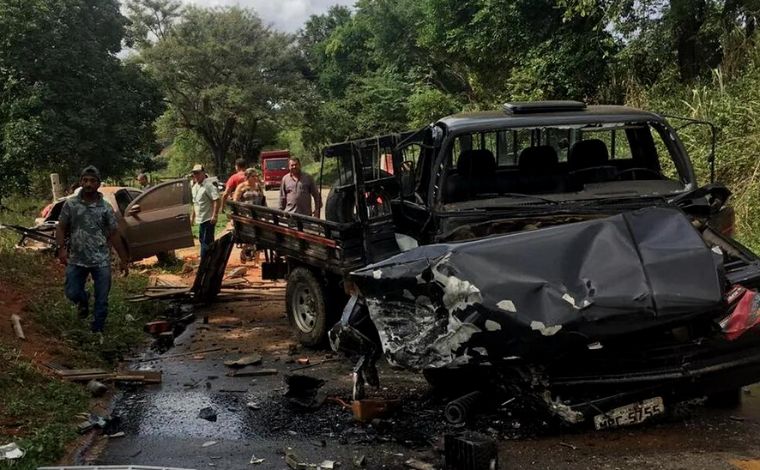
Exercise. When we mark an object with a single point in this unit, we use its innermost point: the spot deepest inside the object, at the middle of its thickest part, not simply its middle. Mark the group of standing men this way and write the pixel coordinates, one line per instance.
(296, 193)
(89, 224)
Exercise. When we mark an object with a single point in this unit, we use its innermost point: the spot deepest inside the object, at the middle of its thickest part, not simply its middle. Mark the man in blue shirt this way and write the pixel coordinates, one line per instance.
(90, 223)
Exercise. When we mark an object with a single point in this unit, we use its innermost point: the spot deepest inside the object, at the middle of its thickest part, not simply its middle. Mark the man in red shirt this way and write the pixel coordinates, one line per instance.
(234, 180)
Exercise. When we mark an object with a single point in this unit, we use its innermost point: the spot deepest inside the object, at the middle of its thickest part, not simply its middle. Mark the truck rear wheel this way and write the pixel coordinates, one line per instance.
(306, 307)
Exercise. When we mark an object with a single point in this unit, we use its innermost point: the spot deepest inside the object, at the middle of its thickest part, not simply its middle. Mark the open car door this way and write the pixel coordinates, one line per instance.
(158, 220)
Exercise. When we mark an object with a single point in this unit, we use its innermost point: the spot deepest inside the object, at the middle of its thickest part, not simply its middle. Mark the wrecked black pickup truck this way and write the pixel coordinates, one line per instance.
(559, 253)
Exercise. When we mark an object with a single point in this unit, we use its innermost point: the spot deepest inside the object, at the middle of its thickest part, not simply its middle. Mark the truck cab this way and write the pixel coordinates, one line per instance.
(274, 165)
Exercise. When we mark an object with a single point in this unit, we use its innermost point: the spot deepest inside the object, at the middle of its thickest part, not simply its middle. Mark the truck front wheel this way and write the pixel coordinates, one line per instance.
(306, 307)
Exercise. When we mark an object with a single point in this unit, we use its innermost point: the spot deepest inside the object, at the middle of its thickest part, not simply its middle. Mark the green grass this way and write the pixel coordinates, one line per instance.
(329, 173)
(41, 410)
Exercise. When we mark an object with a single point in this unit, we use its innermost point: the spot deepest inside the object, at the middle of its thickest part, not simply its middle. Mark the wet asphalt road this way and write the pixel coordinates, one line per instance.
(162, 426)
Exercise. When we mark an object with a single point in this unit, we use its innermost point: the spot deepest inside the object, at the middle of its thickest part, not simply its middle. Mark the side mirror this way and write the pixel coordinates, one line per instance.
(134, 210)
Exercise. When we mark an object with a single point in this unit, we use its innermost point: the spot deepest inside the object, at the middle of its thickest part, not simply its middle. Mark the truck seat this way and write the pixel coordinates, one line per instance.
(539, 170)
(589, 162)
(475, 175)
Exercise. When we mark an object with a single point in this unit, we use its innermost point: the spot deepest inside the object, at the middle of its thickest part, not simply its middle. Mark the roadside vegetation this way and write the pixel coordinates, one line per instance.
(37, 411)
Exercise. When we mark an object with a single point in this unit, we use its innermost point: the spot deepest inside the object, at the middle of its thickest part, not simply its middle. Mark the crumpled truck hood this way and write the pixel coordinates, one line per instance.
(526, 293)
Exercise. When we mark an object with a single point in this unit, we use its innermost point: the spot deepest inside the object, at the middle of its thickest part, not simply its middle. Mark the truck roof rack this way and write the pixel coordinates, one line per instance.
(533, 107)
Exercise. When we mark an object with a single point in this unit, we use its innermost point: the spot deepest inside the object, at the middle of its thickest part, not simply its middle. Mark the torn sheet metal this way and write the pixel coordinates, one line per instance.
(577, 284)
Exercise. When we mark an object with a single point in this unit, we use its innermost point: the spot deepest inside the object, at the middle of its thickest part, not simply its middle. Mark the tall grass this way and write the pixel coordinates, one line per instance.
(732, 102)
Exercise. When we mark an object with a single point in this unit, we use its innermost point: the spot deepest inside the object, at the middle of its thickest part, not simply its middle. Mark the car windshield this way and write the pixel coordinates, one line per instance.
(563, 163)
(276, 164)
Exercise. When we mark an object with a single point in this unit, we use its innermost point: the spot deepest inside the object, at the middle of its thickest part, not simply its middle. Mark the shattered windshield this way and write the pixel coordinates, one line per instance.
(564, 163)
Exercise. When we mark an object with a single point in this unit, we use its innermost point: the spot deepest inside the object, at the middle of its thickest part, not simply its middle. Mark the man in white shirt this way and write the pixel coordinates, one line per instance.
(206, 205)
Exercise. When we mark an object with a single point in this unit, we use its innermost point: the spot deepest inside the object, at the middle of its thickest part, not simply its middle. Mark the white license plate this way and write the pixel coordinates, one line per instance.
(630, 414)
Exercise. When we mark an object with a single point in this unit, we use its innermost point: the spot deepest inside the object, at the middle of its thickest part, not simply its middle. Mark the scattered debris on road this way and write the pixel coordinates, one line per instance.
(96, 388)
(252, 359)
(304, 392)
(367, 409)
(470, 451)
(459, 410)
(207, 413)
(419, 465)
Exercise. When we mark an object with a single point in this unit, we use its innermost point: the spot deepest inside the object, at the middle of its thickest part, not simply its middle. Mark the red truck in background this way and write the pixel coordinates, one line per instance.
(274, 165)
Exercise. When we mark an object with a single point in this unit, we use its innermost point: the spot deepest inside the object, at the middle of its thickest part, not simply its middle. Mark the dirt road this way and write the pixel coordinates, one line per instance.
(163, 428)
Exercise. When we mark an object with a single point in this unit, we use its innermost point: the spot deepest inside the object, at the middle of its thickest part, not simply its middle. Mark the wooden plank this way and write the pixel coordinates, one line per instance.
(164, 295)
(73, 372)
(287, 231)
(87, 378)
(144, 376)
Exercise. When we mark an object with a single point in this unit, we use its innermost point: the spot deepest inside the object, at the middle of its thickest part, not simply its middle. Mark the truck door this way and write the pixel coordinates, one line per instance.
(411, 211)
(158, 220)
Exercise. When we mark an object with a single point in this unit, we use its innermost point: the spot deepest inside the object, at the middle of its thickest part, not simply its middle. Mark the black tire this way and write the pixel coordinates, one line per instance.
(726, 399)
(306, 307)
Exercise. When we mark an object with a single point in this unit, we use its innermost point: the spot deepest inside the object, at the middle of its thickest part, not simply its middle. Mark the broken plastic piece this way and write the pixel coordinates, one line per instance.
(11, 452)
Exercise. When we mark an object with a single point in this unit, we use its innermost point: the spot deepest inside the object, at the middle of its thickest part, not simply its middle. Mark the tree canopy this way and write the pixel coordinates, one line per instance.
(224, 74)
(67, 100)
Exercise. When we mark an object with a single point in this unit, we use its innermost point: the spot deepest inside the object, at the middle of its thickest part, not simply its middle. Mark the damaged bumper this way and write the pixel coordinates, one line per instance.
(588, 315)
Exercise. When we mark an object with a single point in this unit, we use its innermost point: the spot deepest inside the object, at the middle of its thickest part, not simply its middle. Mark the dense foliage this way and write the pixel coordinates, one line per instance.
(225, 74)
(397, 64)
(234, 86)
(66, 99)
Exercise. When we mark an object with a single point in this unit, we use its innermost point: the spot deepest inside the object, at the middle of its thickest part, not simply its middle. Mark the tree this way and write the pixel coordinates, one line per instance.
(151, 20)
(66, 100)
(223, 72)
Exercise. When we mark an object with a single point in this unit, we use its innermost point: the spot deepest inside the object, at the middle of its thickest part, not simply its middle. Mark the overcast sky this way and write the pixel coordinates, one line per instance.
(285, 15)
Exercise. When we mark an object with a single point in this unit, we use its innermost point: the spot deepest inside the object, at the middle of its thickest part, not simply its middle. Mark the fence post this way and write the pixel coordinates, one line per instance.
(55, 182)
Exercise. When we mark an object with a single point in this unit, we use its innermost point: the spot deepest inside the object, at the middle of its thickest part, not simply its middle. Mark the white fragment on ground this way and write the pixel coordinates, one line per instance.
(237, 272)
(255, 461)
(377, 274)
(11, 452)
(543, 329)
(492, 325)
(327, 465)
(252, 405)
(507, 306)
(595, 346)
(209, 443)
(716, 249)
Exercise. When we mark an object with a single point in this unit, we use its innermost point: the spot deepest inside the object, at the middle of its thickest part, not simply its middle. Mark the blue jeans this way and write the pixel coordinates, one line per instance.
(76, 278)
(206, 236)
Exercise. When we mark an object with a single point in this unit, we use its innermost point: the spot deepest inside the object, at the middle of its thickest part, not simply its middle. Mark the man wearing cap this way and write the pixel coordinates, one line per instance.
(206, 205)
(91, 225)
